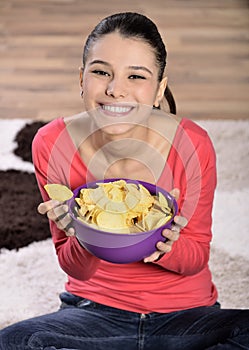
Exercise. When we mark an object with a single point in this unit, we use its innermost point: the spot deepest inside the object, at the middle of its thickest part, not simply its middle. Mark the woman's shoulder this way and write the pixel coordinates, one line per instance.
(52, 128)
(193, 128)
(195, 135)
(47, 135)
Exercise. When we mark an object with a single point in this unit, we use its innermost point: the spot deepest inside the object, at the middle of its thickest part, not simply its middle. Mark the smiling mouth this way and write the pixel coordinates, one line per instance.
(114, 110)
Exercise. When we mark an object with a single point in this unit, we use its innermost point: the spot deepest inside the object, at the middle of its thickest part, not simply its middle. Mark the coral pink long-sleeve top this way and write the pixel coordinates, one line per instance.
(181, 279)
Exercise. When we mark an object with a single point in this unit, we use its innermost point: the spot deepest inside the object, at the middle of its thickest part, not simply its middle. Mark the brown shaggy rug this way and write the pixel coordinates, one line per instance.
(19, 197)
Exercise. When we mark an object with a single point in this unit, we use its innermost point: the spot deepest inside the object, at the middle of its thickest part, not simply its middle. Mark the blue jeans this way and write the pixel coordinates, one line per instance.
(83, 324)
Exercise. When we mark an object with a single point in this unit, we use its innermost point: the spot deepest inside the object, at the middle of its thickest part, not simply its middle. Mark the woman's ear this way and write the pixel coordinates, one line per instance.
(160, 91)
(81, 69)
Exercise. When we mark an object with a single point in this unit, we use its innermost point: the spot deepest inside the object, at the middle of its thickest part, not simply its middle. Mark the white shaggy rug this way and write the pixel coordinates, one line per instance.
(30, 279)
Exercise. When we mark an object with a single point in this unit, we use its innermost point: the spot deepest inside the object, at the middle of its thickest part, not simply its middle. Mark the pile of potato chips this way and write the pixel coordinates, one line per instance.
(122, 207)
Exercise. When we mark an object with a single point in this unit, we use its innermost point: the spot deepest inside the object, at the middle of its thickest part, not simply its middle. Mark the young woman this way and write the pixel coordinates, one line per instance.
(168, 300)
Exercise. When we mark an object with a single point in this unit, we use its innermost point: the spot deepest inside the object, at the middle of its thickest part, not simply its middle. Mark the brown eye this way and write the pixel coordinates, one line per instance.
(101, 72)
(136, 76)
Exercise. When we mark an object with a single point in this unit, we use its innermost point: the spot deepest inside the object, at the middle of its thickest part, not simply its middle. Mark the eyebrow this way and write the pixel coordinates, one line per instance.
(141, 68)
(130, 67)
(99, 62)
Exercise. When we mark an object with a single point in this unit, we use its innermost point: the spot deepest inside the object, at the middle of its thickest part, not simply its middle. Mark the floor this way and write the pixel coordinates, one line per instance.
(41, 44)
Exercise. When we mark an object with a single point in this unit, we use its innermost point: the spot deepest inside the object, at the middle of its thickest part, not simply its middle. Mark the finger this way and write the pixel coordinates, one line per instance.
(154, 256)
(44, 207)
(171, 235)
(70, 231)
(164, 247)
(64, 222)
(56, 213)
(175, 192)
(180, 221)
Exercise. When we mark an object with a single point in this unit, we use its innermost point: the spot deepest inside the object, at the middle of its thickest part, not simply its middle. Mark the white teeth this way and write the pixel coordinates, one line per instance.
(116, 109)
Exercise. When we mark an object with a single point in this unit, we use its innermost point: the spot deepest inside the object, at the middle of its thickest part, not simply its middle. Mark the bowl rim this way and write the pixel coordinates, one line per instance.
(94, 183)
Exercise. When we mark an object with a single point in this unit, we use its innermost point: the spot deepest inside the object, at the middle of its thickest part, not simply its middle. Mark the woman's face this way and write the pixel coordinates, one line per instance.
(120, 74)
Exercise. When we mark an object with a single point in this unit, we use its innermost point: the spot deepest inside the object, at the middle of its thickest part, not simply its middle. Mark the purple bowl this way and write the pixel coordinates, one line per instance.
(120, 248)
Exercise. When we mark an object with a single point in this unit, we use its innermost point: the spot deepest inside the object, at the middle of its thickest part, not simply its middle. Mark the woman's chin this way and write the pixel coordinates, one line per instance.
(118, 129)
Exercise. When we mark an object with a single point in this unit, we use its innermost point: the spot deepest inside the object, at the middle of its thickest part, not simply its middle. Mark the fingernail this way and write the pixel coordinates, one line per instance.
(55, 202)
(71, 232)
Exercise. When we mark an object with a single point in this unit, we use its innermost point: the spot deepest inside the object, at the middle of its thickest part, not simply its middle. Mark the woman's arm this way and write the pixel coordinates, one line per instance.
(72, 257)
(189, 254)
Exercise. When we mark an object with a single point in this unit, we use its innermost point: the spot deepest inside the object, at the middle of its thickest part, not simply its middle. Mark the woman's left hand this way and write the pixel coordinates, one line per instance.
(171, 235)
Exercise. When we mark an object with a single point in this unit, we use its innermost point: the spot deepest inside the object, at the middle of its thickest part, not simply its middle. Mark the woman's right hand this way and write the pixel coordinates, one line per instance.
(57, 212)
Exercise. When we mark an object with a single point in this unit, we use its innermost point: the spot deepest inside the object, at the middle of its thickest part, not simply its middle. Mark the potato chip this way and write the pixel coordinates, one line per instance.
(116, 194)
(116, 207)
(108, 220)
(102, 202)
(131, 200)
(151, 219)
(87, 196)
(163, 221)
(58, 192)
(163, 203)
(94, 194)
(162, 200)
(83, 210)
(133, 189)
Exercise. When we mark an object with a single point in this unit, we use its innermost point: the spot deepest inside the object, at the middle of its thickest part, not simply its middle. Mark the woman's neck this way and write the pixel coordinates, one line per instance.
(139, 153)
(127, 145)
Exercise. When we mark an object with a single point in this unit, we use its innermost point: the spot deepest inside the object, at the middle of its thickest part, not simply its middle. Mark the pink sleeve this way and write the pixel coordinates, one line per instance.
(73, 258)
(190, 254)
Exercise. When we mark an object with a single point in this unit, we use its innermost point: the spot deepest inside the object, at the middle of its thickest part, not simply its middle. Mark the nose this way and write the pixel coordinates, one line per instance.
(116, 88)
